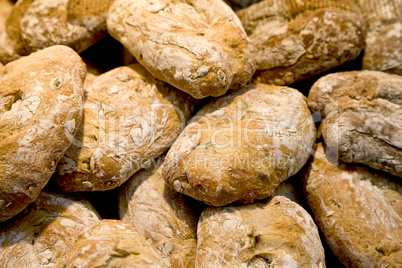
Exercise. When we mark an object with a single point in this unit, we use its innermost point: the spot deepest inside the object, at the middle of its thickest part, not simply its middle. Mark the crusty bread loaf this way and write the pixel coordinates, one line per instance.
(41, 98)
(161, 215)
(36, 24)
(41, 234)
(198, 46)
(239, 147)
(111, 243)
(383, 50)
(279, 233)
(358, 211)
(130, 118)
(7, 46)
(297, 39)
(362, 119)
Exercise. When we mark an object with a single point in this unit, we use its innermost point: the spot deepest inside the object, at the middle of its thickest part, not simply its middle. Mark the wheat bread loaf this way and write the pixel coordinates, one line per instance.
(111, 243)
(279, 233)
(41, 99)
(160, 214)
(361, 117)
(130, 118)
(198, 46)
(294, 40)
(37, 24)
(239, 147)
(383, 48)
(358, 210)
(41, 234)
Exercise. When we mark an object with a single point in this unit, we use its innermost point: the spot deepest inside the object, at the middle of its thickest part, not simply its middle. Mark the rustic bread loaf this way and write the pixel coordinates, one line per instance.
(383, 50)
(358, 211)
(7, 46)
(161, 215)
(198, 46)
(362, 119)
(36, 24)
(130, 118)
(111, 243)
(41, 98)
(279, 233)
(294, 40)
(41, 234)
(239, 147)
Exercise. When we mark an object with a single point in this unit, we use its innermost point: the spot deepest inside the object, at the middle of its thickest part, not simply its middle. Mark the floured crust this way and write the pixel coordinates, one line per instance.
(362, 119)
(161, 215)
(111, 243)
(358, 211)
(41, 98)
(130, 118)
(383, 50)
(36, 24)
(198, 46)
(239, 147)
(294, 40)
(279, 233)
(41, 234)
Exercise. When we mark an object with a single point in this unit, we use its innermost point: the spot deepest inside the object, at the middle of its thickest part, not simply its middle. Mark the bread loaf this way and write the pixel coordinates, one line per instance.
(279, 233)
(130, 118)
(294, 40)
(111, 243)
(41, 234)
(37, 24)
(362, 119)
(358, 211)
(161, 215)
(7, 46)
(239, 147)
(383, 50)
(41, 98)
(198, 46)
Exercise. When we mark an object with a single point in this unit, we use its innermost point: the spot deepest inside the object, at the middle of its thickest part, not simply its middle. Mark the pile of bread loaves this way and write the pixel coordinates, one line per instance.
(218, 158)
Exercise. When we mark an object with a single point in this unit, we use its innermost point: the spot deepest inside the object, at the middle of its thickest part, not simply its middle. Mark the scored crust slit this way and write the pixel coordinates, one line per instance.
(41, 100)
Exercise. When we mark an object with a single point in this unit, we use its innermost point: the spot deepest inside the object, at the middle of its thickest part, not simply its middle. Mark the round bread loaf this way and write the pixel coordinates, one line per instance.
(298, 39)
(383, 49)
(37, 24)
(279, 233)
(41, 234)
(130, 118)
(358, 211)
(161, 215)
(362, 117)
(239, 147)
(111, 243)
(198, 46)
(41, 99)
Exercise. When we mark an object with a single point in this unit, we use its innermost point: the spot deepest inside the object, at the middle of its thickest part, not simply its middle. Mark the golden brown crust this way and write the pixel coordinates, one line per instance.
(358, 211)
(130, 118)
(239, 147)
(111, 243)
(37, 24)
(198, 46)
(161, 215)
(7, 46)
(294, 40)
(41, 234)
(41, 98)
(279, 233)
(362, 121)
